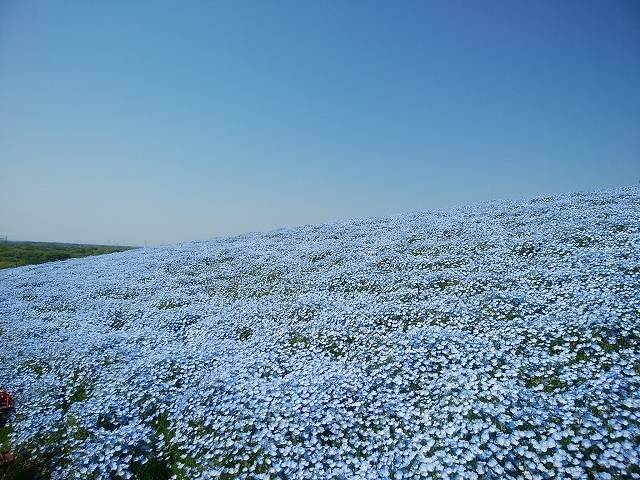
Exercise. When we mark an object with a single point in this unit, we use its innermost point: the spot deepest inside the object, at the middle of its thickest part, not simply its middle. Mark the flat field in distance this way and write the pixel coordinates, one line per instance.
(18, 254)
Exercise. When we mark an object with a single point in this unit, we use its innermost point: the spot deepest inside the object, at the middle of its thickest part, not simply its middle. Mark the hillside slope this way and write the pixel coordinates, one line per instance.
(500, 340)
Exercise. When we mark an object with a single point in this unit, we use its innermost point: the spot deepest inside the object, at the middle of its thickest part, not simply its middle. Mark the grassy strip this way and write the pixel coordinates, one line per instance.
(18, 254)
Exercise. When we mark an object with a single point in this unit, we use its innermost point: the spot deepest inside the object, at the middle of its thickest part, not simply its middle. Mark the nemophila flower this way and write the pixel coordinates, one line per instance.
(499, 340)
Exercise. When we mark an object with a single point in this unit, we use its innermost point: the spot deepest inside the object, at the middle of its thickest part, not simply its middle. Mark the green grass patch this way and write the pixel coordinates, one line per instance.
(5, 443)
(21, 469)
(172, 464)
(18, 254)
(245, 333)
(169, 304)
(299, 340)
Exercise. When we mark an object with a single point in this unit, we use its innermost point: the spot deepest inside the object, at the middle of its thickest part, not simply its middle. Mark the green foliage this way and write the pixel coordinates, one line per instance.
(18, 254)
(171, 463)
(444, 283)
(526, 249)
(297, 339)
(320, 256)
(549, 383)
(245, 333)
(169, 304)
(21, 469)
(5, 444)
(583, 240)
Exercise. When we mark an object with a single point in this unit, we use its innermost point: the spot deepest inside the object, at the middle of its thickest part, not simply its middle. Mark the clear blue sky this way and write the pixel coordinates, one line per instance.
(134, 121)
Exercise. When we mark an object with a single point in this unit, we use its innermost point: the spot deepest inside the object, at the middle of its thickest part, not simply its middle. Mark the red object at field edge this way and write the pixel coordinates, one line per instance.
(6, 401)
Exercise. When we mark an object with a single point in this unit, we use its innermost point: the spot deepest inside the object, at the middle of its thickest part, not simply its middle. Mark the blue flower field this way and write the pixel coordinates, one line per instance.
(498, 341)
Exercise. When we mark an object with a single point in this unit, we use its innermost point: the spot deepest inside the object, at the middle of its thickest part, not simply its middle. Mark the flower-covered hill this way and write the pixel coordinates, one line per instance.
(500, 340)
